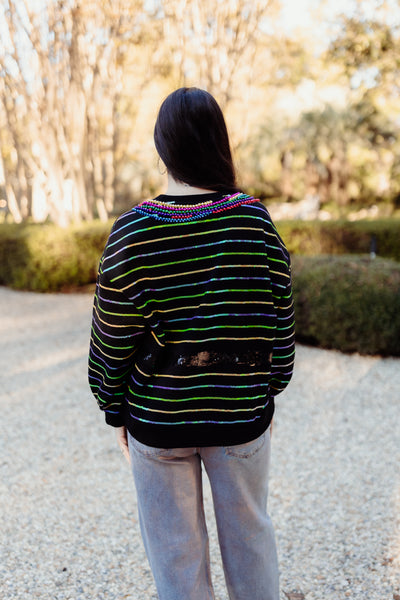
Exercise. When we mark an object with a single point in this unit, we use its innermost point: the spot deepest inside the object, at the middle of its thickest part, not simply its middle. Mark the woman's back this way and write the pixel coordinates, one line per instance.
(209, 280)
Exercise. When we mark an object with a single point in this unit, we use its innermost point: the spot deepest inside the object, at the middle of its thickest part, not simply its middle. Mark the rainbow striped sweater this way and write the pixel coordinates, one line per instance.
(193, 322)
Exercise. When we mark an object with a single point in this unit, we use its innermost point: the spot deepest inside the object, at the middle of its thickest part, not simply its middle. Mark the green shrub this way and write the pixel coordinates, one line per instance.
(313, 238)
(349, 303)
(48, 258)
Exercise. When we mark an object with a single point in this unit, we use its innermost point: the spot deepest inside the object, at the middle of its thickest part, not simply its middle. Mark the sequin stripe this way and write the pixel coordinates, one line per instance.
(181, 401)
(201, 295)
(196, 306)
(207, 282)
(222, 326)
(116, 314)
(218, 315)
(207, 374)
(122, 326)
(216, 339)
(169, 238)
(103, 373)
(169, 251)
(102, 342)
(119, 336)
(198, 410)
(205, 422)
(158, 277)
(110, 356)
(107, 365)
(165, 227)
(181, 388)
(102, 381)
(188, 260)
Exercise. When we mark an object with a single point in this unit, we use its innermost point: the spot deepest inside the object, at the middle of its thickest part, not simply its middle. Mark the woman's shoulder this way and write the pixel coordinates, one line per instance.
(126, 227)
(128, 221)
(260, 211)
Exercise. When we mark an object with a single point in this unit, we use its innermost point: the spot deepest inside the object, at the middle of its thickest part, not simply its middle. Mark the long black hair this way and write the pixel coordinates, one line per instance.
(192, 140)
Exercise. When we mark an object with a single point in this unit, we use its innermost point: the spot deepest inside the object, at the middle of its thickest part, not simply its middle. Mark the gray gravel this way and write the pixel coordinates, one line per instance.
(68, 523)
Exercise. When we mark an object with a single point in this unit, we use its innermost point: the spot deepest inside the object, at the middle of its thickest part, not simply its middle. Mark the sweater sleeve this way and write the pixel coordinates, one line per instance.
(284, 344)
(117, 331)
(283, 352)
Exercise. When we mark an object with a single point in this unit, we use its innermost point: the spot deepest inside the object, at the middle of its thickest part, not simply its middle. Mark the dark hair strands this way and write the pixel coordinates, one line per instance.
(192, 140)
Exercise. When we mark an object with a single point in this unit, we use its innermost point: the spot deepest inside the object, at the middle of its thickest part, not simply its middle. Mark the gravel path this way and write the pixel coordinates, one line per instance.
(68, 523)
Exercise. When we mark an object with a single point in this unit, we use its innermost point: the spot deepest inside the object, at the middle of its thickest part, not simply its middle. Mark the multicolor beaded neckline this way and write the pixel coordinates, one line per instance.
(180, 213)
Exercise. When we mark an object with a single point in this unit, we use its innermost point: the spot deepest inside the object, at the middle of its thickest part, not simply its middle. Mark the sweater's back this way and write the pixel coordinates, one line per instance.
(193, 329)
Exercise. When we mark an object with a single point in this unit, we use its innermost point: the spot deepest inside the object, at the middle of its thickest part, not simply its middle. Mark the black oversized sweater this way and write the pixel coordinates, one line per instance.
(193, 323)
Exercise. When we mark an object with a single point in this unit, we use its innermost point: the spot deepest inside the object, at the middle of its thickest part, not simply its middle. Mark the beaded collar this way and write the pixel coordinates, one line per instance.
(180, 213)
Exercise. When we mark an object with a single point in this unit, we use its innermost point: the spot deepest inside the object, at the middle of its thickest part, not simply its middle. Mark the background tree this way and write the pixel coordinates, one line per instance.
(81, 83)
(215, 43)
(345, 148)
(60, 82)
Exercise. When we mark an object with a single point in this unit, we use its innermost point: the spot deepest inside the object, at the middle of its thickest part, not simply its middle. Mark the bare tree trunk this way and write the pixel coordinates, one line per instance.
(23, 192)
(216, 41)
(69, 103)
(13, 204)
(286, 174)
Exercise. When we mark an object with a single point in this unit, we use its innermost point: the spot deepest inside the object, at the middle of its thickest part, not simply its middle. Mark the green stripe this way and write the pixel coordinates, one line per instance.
(158, 399)
(108, 345)
(284, 328)
(107, 312)
(106, 372)
(280, 356)
(188, 260)
(221, 327)
(208, 293)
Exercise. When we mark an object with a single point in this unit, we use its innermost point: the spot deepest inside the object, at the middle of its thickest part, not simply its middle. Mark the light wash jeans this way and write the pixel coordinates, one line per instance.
(170, 502)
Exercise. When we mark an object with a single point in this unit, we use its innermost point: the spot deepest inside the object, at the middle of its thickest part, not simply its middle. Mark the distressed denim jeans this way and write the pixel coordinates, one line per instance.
(171, 514)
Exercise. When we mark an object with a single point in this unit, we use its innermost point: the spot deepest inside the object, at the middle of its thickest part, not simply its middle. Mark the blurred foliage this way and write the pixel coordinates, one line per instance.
(343, 144)
(342, 237)
(48, 258)
(306, 117)
(348, 303)
(364, 43)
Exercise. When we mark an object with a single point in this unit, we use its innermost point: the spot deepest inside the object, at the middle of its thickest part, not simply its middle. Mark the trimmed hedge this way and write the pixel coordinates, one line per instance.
(46, 258)
(348, 303)
(314, 238)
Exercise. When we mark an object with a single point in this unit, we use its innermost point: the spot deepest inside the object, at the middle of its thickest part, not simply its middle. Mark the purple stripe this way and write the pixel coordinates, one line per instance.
(111, 301)
(225, 315)
(283, 347)
(122, 366)
(274, 373)
(169, 250)
(105, 392)
(162, 387)
(116, 337)
(286, 318)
